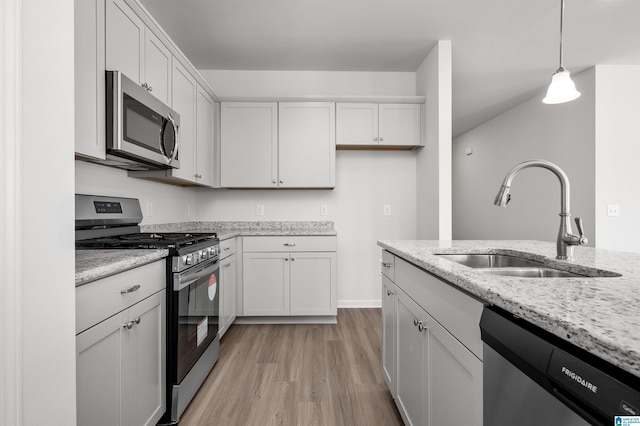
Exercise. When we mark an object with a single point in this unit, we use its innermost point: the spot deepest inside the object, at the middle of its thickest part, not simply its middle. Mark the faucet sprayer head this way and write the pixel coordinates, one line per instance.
(503, 196)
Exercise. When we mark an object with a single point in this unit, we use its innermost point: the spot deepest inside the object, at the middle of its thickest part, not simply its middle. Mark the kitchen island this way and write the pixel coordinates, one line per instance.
(600, 314)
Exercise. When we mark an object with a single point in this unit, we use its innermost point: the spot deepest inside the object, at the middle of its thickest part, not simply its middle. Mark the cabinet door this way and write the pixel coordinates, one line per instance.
(388, 333)
(399, 124)
(306, 144)
(147, 360)
(183, 101)
(101, 373)
(455, 380)
(356, 124)
(411, 361)
(157, 67)
(124, 40)
(89, 78)
(313, 283)
(249, 145)
(204, 137)
(265, 284)
(228, 293)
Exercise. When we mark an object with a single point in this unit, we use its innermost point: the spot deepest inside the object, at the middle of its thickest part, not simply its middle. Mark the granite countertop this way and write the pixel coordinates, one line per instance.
(227, 230)
(91, 265)
(599, 314)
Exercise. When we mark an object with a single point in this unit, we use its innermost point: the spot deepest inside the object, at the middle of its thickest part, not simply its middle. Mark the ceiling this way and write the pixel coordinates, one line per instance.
(504, 51)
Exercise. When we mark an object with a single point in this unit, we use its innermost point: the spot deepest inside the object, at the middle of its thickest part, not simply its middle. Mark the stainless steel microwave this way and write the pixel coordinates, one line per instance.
(142, 132)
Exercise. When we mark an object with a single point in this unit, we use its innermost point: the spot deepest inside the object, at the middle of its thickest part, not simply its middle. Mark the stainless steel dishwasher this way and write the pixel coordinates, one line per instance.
(532, 377)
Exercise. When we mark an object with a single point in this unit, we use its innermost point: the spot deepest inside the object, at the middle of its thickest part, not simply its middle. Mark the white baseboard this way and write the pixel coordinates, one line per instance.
(373, 303)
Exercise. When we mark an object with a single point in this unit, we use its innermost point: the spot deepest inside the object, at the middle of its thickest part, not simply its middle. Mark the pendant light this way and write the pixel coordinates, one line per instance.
(562, 89)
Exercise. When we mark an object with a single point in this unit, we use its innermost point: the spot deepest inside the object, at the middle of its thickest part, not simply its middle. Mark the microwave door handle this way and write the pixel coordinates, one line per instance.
(175, 132)
(182, 281)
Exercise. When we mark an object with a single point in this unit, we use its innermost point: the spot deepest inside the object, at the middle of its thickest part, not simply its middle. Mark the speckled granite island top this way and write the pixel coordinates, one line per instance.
(600, 314)
(92, 265)
(226, 229)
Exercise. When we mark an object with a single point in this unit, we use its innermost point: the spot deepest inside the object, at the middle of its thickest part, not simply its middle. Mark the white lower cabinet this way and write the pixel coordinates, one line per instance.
(434, 378)
(388, 333)
(120, 361)
(298, 282)
(227, 313)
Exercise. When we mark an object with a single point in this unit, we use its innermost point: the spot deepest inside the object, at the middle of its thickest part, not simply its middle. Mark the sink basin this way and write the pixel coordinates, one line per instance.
(491, 261)
(530, 272)
(513, 266)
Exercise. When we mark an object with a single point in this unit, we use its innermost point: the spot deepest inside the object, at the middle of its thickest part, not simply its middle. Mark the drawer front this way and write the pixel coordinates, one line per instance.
(388, 265)
(288, 244)
(227, 247)
(456, 311)
(101, 299)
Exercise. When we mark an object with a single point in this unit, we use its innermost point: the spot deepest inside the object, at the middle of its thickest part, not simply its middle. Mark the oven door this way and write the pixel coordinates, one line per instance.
(198, 300)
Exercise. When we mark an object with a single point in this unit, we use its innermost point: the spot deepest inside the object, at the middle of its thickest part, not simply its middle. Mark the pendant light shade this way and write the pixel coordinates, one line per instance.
(562, 89)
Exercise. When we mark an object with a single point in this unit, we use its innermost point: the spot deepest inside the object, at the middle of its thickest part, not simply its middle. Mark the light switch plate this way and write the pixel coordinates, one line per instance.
(387, 209)
(259, 209)
(149, 209)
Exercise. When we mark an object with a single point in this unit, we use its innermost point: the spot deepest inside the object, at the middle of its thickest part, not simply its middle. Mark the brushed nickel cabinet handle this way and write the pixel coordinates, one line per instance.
(128, 325)
(130, 290)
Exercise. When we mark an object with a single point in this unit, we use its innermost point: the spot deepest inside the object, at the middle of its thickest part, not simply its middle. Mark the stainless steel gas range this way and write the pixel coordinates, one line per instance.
(192, 288)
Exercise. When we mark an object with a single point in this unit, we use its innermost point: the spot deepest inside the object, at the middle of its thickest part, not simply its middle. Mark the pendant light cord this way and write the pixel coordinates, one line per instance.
(561, 24)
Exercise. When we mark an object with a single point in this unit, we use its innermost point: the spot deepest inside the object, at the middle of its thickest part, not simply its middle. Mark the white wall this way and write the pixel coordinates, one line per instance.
(433, 80)
(618, 156)
(37, 292)
(563, 134)
(365, 180)
(309, 83)
(168, 203)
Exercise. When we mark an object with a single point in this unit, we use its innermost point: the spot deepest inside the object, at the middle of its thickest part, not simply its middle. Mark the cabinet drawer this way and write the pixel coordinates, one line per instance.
(101, 299)
(227, 247)
(456, 311)
(288, 244)
(387, 266)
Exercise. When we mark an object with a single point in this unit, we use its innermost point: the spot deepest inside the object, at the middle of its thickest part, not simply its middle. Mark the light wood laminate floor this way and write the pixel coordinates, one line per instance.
(315, 374)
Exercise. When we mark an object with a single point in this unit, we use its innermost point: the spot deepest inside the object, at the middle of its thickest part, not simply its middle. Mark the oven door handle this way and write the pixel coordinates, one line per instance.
(183, 280)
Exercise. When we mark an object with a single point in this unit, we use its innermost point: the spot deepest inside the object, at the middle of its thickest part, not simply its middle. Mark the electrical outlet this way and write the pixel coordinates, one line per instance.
(324, 210)
(149, 209)
(613, 210)
(387, 209)
(259, 209)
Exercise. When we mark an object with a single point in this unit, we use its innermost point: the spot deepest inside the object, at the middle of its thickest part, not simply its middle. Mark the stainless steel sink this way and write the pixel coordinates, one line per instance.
(513, 266)
(530, 272)
(492, 261)
(505, 265)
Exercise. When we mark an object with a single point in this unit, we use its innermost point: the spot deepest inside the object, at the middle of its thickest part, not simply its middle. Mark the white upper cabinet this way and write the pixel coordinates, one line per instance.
(133, 49)
(204, 137)
(157, 67)
(125, 40)
(306, 145)
(271, 145)
(183, 101)
(89, 78)
(399, 124)
(357, 124)
(371, 124)
(249, 144)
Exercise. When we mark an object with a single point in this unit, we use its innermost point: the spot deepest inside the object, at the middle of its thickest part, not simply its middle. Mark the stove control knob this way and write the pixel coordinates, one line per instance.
(204, 254)
(215, 250)
(188, 259)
